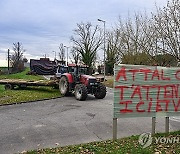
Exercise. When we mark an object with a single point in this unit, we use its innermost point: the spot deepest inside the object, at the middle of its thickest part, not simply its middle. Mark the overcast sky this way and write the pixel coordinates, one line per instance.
(41, 25)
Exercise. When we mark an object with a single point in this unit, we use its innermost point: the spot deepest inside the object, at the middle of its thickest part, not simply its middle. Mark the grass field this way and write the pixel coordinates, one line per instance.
(129, 145)
(27, 94)
(22, 75)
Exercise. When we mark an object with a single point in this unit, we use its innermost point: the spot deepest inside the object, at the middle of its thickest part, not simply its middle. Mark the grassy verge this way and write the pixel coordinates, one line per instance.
(27, 94)
(128, 145)
(109, 82)
(22, 75)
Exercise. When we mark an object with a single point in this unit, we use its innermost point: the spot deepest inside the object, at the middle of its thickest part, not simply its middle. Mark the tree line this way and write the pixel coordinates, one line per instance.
(143, 39)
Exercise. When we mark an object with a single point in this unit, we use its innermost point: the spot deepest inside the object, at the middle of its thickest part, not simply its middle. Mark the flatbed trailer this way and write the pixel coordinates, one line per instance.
(11, 83)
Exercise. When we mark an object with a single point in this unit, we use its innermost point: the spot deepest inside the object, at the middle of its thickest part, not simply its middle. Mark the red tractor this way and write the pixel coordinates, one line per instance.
(75, 81)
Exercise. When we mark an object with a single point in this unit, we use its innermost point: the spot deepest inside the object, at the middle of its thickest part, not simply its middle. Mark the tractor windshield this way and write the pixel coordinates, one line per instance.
(78, 70)
(83, 70)
(62, 69)
(72, 69)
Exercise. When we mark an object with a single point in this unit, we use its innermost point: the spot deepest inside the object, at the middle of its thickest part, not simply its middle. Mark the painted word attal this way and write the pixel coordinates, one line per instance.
(164, 96)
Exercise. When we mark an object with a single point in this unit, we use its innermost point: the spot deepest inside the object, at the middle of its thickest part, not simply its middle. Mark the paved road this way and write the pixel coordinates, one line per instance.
(65, 121)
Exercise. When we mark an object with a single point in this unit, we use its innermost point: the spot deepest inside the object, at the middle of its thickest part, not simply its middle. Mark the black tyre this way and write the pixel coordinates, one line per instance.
(64, 86)
(81, 92)
(101, 91)
(22, 86)
(8, 87)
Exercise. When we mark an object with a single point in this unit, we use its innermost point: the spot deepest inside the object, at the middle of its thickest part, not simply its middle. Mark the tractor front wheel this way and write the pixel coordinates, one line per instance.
(101, 91)
(64, 86)
(81, 92)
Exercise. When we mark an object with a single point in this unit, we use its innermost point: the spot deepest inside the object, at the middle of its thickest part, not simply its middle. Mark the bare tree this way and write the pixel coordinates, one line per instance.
(112, 54)
(87, 41)
(167, 24)
(131, 39)
(62, 52)
(144, 38)
(139, 42)
(76, 57)
(153, 39)
(16, 59)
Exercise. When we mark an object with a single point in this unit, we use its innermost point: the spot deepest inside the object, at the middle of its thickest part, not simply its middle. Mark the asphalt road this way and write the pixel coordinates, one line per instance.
(65, 121)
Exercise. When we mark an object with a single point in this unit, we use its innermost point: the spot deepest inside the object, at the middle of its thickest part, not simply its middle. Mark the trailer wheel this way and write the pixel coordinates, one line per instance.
(64, 86)
(101, 91)
(8, 87)
(81, 92)
(22, 86)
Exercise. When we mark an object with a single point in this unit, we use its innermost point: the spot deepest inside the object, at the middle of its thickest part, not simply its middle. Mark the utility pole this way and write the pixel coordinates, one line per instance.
(54, 55)
(8, 61)
(67, 53)
(104, 22)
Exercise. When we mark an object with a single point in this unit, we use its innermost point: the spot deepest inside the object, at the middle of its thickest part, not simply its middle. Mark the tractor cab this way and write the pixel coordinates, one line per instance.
(78, 69)
(84, 70)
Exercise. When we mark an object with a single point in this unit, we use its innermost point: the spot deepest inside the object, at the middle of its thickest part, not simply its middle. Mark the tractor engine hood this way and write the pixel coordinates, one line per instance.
(87, 79)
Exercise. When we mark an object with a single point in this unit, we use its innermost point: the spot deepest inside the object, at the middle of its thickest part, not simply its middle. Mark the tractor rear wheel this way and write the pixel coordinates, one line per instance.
(101, 91)
(8, 87)
(64, 86)
(81, 92)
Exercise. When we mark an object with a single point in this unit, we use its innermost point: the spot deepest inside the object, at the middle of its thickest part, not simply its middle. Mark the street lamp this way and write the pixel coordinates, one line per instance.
(67, 53)
(104, 22)
(54, 55)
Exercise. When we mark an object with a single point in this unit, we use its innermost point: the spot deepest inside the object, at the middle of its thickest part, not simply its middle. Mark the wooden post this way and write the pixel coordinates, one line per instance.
(153, 125)
(167, 125)
(114, 128)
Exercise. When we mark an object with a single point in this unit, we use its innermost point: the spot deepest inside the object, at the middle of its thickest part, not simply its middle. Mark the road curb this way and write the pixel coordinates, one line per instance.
(30, 101)
(37, 100)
